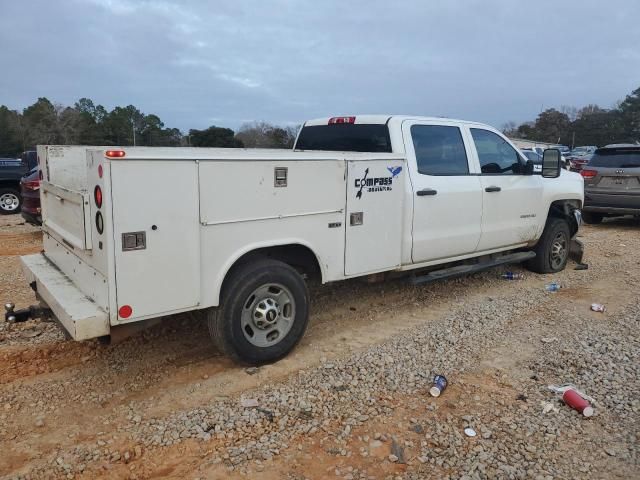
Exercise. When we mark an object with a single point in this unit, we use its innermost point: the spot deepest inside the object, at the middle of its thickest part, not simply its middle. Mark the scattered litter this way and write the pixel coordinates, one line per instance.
(552, 287)
(251, 370)
(439, 385)
(582, 266)
(249, 402)
(548, 339)
(574, 398)
(548, 407)
(470, 432)
(512, 276)
(598, 307)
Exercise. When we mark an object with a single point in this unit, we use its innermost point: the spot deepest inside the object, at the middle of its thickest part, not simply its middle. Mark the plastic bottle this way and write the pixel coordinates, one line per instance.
(552, 287)
(512, 276)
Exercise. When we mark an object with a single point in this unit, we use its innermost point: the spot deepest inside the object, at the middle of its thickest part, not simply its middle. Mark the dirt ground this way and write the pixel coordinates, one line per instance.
(57, 396)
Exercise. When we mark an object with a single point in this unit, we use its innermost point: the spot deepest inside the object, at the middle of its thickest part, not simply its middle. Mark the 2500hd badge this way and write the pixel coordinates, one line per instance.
(376, 184)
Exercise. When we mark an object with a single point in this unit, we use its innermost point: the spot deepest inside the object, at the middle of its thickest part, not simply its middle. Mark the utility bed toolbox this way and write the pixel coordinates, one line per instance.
(80, 316)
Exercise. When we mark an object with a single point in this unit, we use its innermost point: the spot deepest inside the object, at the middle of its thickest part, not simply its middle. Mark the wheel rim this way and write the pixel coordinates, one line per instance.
(9, 201)
(268, 315)
(558, 250)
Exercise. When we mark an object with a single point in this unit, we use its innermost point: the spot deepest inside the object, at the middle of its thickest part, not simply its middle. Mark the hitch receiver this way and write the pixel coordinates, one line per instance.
(33, 311)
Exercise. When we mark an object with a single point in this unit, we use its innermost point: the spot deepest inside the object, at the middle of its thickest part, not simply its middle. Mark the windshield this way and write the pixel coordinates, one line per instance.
(616, 159)
(347, 137)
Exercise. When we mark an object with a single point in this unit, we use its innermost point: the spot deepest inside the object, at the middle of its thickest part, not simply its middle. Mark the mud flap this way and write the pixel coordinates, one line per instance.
(576, 250)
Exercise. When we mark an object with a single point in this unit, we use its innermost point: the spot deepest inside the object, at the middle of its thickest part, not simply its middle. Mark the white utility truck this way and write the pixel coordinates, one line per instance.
(133, 233)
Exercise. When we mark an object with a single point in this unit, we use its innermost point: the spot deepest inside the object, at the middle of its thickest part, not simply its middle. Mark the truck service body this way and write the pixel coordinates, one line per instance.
(137, 233)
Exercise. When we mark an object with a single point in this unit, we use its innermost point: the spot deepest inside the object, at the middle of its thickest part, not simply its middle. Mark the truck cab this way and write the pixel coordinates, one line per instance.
(469, 190)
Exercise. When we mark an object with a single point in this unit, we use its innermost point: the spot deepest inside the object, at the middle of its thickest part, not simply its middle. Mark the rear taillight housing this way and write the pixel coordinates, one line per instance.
(586, 173)
(31, 185)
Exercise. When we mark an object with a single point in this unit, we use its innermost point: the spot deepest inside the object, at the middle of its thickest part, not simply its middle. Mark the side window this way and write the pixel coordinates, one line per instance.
(439, 150)
(495, 154)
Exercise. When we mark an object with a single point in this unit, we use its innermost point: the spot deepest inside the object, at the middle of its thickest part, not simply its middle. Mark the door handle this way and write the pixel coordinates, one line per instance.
(492, 189)
(426, 191)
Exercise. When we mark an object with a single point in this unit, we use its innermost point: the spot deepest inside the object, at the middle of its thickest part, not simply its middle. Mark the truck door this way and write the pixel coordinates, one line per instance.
(447, 199)
(511, 201)
(375, 192)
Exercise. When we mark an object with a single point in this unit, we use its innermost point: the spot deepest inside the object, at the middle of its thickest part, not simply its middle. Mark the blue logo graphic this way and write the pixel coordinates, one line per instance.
(395, 171)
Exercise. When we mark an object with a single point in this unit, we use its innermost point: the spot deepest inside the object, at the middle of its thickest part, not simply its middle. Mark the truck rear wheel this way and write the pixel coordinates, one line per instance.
(10, 201)
(552, 250)
(263, 313)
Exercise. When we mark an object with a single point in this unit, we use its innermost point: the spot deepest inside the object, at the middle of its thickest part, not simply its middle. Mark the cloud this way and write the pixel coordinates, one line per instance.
(287, 60)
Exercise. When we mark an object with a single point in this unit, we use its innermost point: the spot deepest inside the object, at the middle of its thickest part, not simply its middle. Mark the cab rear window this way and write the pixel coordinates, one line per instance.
(348, 137)
(616, 159)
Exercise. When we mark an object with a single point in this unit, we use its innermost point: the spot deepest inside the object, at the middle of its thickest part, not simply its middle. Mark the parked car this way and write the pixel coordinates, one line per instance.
(584, 150)
(535, 157)
(612, 183)
(30, 191)
(11, 171)
(578, 162)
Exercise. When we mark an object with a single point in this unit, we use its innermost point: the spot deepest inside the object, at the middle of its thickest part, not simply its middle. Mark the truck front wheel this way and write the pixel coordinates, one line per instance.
(263, 313)
(552, 250)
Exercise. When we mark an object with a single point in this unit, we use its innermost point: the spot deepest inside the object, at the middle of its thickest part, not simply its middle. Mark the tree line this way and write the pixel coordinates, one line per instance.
(589, 125)
(86, 123)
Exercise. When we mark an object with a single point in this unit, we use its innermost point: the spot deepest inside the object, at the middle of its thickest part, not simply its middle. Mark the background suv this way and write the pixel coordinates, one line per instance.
(612, 183)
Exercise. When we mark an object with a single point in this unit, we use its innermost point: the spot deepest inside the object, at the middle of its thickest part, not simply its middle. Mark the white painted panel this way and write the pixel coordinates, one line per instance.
(63, 212)
(89, 280)
(241, 190)
(165, 276)
(81, 317)
(376, 189)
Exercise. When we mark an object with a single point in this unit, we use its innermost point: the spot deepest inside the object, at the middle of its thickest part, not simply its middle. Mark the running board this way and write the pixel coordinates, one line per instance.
(460, 270)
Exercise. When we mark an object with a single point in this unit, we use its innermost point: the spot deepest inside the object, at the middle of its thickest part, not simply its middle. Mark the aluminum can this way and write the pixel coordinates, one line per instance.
(439, 385)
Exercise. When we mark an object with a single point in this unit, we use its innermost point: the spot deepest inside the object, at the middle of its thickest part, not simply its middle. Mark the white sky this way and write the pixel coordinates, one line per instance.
(199, 63)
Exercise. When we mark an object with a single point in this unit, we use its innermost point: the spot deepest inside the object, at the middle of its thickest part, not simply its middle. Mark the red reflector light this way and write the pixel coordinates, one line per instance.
(97, 196)
(588, 173)
(100, 171)
(125, 311)
(336, 120)
(114, 154)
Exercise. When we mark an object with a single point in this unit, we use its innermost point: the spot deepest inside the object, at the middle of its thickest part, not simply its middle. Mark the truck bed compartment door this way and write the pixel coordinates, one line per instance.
(375, 191)
(156, 235)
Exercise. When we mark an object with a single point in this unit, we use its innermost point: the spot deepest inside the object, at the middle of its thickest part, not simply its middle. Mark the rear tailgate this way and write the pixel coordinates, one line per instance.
(72, 244)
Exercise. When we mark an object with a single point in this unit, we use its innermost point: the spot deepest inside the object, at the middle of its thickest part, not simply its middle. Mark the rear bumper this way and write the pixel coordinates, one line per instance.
(80, 317)
(611, 202)
(613, 210)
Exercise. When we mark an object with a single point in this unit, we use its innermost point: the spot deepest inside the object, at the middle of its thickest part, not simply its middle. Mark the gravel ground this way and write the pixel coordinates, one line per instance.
(351, 406)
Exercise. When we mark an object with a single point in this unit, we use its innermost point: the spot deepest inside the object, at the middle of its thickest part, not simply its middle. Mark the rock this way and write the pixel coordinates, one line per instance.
(393, 458)
(252, 370)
